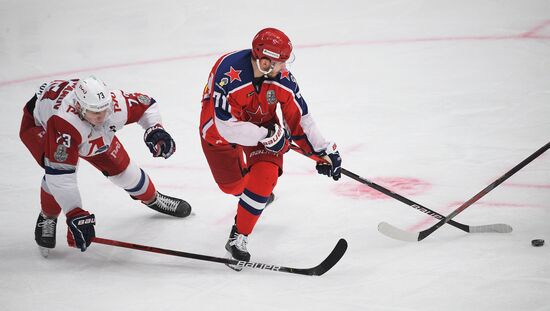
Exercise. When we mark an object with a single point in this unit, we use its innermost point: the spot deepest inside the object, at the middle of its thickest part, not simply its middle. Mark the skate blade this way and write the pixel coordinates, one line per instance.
(45, 252)
(233, 267)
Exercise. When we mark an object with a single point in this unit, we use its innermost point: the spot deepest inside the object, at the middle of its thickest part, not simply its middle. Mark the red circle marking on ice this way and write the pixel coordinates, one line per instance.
(401, 185)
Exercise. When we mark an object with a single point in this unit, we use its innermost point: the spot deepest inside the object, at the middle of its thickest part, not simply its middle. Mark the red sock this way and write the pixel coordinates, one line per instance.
(50, 207)
(261, 181)
(149, 193)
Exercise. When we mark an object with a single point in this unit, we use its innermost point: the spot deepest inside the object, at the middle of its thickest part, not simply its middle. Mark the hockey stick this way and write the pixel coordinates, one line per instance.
(500, 228)
(320, 269)
(399, 234)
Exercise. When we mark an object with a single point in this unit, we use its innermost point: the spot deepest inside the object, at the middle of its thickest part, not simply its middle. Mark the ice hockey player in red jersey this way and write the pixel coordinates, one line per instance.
(70, 119)
(242, 137)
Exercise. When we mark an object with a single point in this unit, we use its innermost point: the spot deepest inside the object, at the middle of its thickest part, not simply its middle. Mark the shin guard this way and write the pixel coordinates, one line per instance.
(261, 181)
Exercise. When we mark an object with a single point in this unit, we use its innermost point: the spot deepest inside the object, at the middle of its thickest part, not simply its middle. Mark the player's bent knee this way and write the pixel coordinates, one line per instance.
(234, 188)
(128, 178)
(264, 172)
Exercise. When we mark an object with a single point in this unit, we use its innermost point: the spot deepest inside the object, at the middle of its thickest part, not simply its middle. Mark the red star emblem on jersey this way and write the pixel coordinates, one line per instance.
(284, 74)
(233, 74)
(256, 116)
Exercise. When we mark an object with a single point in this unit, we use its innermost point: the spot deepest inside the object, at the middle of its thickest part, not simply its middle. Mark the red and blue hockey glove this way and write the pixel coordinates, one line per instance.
(332, 167)
(160, 143)
(276, 140)
(80, 231)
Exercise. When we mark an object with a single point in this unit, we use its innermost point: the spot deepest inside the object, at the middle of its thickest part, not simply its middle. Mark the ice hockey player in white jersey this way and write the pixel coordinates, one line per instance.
(70, 119)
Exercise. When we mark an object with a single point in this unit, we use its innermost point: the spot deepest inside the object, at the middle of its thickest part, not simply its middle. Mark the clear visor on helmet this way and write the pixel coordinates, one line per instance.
(277, 65)
(284, 65)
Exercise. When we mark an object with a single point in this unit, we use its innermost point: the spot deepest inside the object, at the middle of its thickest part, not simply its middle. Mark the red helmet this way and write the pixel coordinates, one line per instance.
(273, 44)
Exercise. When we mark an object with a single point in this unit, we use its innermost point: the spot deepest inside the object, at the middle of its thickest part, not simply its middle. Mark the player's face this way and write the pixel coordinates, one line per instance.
(264, 64)
(269, 67)
(95, 118)
(276, 67)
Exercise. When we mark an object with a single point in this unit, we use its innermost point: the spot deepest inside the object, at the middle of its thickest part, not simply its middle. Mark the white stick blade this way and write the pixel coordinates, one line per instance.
(498, 228)
(396, 233)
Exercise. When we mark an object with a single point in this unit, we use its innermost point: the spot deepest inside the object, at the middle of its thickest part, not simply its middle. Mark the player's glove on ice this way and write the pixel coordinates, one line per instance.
(333, 165)
(160, 143)
(80, 231)
(276, 140)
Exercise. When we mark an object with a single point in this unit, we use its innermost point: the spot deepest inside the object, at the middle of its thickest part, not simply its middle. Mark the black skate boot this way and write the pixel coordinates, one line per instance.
(44, 233)
(170, 206)
(236, 248)
(270, 199)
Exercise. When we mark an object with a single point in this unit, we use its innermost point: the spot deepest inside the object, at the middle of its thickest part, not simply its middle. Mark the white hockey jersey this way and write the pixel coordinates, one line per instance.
(69, 137)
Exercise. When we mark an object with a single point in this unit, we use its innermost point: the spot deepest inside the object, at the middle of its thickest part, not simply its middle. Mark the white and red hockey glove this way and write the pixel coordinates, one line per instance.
(276, 140)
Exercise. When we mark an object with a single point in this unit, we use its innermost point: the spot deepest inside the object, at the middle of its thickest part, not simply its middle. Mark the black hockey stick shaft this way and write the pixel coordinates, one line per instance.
(320, 269)
(387, 192)
(423, 234)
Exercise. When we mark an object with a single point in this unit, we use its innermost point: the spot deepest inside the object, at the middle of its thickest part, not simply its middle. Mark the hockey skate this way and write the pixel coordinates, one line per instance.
(236, 248)
(270, 199)
(170, 206)
(44, 234)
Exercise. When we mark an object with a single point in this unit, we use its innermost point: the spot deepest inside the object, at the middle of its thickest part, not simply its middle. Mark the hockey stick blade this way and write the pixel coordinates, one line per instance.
(496, 228)
(407, 236)
(320, 269)
(396, 233)
(329, 262)
(402, 235)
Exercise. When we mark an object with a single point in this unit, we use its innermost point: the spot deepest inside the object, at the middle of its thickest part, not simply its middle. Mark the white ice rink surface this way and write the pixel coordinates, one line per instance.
(433, 99)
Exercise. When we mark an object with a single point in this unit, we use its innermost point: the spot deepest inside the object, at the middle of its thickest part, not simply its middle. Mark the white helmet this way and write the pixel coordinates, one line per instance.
(92, 94)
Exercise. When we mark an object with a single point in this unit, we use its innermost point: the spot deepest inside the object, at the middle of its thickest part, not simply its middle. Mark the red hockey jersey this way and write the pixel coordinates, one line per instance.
(235, 111)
